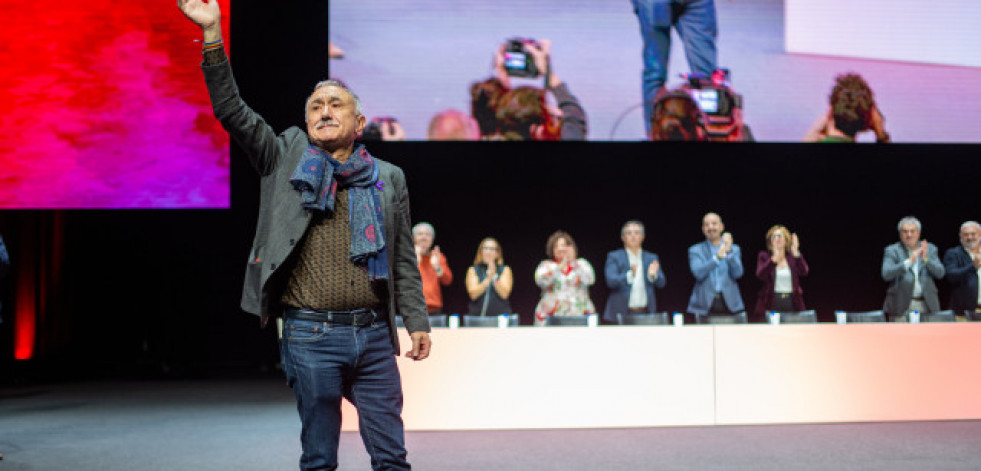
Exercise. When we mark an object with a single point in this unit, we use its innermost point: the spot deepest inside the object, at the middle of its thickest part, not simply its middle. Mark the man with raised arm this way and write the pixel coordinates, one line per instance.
(332, 259)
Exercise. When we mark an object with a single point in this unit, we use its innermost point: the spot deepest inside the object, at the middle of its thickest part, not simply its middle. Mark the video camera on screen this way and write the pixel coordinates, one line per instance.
(721, 106)
(517, 61)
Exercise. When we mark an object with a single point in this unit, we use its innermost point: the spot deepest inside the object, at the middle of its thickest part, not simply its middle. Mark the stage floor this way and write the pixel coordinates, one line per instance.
(251, 424)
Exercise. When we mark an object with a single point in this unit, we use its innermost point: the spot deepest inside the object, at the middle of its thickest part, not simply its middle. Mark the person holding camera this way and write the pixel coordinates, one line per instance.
(852, 110)
(522, 113)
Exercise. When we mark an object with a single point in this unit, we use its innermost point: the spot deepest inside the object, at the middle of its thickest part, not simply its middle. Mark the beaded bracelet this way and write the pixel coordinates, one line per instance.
(212, 45)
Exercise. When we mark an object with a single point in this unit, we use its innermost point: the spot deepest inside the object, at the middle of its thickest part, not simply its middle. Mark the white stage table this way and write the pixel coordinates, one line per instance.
(648, 376)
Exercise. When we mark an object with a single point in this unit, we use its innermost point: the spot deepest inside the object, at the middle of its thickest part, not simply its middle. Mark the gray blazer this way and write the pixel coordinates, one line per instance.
(283, 221)
(900, 278)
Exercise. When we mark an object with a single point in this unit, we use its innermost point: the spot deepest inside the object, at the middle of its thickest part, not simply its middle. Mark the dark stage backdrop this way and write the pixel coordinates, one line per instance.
(157, 291)
(160, 289)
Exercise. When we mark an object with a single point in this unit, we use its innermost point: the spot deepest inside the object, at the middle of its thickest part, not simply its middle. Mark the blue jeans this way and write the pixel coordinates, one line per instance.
(696, 25)
(324, 363)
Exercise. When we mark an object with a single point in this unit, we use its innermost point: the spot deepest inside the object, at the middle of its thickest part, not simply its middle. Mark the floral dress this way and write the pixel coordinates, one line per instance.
(565, 289)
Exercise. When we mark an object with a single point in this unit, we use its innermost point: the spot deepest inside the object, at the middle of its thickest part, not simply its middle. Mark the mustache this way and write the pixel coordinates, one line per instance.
(326, 122)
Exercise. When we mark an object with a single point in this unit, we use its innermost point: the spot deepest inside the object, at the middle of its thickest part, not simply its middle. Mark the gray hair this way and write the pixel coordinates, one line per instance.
(424, 225)
(909, 220)
(970, 224)
(341, 85)
(630, 223)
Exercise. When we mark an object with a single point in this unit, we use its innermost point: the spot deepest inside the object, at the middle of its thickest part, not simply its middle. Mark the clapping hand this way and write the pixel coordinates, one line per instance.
(726, 246)
(652, 269)
(794, 245)
(434, 258)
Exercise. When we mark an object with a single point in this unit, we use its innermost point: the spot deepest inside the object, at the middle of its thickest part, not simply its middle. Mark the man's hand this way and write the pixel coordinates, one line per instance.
(204, 14)
(541, 55)
(915, 254)
(434, 259)
(421, 345)
(652, 269)
(924, 249)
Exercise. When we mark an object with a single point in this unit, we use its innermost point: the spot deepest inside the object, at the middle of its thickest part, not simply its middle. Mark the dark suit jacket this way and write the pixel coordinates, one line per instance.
(283, 221)
(617, 266)
(766, 271)
(963, 279)
(900, 279)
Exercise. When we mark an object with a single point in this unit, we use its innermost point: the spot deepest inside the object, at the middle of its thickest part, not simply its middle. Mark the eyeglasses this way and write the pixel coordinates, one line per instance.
(489, 247)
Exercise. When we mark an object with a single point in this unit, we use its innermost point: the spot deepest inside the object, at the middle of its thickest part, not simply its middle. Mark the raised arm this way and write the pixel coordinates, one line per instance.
(616, 275)
(586, 274)
(546, 274)
(735, 262)
(243, 124)
(934, 265)
(893, 264)
(206, 15)
(700, 265)
(764, 266)
(956, 269)
(505, 283)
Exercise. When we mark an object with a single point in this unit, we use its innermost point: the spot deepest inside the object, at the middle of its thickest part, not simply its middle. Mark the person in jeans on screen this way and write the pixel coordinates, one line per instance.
(332, 258)
(696, 25)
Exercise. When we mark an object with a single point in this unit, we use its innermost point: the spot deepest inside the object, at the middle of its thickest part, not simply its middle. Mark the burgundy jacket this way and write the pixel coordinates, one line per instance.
(766, 271)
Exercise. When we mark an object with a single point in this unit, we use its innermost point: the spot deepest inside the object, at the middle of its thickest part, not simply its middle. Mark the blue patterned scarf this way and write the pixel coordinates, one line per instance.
(317, 178)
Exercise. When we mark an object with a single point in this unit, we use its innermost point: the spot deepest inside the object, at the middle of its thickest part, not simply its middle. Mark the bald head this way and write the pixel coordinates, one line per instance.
(712, 227)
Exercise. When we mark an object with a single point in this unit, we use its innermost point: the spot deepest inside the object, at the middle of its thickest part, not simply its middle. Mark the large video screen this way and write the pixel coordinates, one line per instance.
(103, 105)
(412, 60)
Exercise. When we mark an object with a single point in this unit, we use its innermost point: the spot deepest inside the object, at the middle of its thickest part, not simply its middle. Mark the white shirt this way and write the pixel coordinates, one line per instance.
(915, 266)
(783, 283)
(638, 292)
